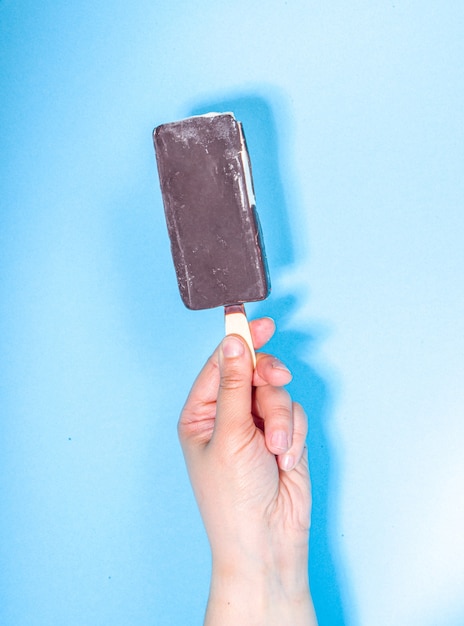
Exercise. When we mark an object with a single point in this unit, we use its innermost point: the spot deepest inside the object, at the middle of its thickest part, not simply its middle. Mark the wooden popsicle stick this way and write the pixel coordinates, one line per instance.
(237, 324)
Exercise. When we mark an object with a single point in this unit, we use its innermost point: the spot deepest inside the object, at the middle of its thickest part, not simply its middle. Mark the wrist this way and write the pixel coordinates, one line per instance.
(260, 594)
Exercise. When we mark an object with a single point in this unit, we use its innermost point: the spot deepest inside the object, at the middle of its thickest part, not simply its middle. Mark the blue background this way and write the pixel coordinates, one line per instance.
(354, 118)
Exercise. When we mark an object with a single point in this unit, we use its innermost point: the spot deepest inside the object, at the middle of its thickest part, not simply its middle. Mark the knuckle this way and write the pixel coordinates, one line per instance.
(281, 411)
(232, 380)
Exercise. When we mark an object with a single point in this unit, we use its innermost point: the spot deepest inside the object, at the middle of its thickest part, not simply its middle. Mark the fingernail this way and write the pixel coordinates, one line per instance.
(287, 462)
(232, 347)
(279, 441)
(278, 365)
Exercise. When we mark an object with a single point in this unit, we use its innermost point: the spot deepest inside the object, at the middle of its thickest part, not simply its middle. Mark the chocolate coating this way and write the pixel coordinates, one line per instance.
(216, 243)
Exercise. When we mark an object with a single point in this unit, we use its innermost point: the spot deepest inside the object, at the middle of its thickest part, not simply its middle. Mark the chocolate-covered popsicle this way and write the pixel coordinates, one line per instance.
(206, 184)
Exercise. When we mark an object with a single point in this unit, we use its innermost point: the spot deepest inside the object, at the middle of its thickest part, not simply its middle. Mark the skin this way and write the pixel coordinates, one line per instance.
(243, 440)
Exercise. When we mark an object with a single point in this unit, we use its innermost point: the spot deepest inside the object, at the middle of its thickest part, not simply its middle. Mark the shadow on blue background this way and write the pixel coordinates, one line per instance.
(294, 347)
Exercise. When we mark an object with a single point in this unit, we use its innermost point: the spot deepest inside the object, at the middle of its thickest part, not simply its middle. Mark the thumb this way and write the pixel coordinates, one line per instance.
(233, 409)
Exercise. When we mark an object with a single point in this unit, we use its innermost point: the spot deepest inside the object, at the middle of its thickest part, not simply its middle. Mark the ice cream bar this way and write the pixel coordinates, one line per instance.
(206, 184)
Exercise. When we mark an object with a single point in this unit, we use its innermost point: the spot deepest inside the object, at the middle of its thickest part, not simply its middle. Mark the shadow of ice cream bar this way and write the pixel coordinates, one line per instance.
(216, 242)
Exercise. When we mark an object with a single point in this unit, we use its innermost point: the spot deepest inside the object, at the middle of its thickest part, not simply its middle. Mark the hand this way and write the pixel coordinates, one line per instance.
(244, 443)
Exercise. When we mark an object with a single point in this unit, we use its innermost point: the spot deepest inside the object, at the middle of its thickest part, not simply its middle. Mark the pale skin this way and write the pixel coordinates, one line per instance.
(243, 440)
